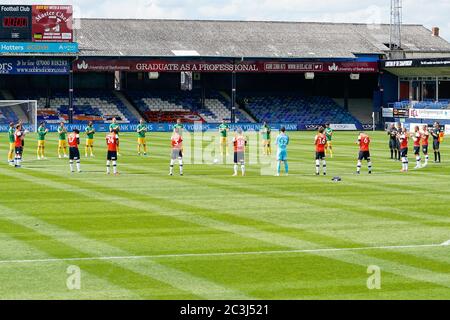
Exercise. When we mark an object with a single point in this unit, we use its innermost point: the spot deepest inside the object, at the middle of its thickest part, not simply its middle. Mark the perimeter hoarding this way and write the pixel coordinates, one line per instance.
(433, 114)
(154, 65)
(34, 66)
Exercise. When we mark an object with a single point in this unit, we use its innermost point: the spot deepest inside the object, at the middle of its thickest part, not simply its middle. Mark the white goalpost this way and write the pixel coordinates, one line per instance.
(24, 111)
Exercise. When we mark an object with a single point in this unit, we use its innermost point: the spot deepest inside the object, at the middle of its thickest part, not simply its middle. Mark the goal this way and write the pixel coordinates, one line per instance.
(24, 111)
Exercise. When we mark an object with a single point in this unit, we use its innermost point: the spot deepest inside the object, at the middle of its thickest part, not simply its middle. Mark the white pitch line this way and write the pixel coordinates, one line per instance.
(221, 254)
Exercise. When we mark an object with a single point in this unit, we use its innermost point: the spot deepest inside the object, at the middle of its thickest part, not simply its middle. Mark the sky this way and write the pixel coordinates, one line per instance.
(427, 12)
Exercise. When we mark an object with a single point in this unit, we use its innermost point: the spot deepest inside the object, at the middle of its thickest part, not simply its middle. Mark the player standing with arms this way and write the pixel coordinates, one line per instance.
(320, 141)
(177, 151)
(112, 141)
(114, 127)
(42, 132)
(329, 134)
(399, 132)
(11, 138)
(417, 139)
(239, 144)
(266, 132)
(141, 131)
(403, 139)
(392, 133)
(90, 132)
(436, 134)
(425, 138)
(223, 132)
(62, 143)
(74, 152)
(364, 152)
(282, 142)
(19, 137)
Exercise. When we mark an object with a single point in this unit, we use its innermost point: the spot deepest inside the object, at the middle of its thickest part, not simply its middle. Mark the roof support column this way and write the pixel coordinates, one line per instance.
(71, 93)
(233, 96)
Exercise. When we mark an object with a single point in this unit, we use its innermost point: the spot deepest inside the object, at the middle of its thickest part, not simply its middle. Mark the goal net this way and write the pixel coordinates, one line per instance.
(24, 111)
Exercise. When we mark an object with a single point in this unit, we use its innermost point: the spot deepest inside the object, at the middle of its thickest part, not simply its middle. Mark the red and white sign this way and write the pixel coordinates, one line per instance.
(434, 114)
(144, 65)
(52, 23)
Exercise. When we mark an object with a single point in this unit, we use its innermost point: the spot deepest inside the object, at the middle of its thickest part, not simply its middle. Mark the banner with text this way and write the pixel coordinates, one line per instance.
(34, 66)
(144, 65)
(438, 114)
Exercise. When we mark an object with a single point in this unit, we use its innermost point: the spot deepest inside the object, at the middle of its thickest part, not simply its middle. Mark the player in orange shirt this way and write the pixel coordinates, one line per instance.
(320, 141)
(364, 152)
(417, 139)
(19, 136)
(112, 141)
(177, 151)
(425, 139)
(74, 152)
(239, 144)
(403, 139)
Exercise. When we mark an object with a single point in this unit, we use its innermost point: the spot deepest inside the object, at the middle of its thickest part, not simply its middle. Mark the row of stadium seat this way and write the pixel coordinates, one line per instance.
(297, 109)
(215, 108)
(7, 114)
(89, 105)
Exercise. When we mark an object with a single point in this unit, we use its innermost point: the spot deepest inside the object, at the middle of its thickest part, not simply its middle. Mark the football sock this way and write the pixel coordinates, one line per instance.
(358, 167)
(279, 167)
(235, 169)
(114, 166)
(78, 166)
(426, 159)
(324, 166)
(435, 156)
(286, 167)
(369, 166)
(108, 168)
(243, 169)
(71, 165)
(171, 166)
(439, 156)
(317, 166)
(180, 161)
(418, 160)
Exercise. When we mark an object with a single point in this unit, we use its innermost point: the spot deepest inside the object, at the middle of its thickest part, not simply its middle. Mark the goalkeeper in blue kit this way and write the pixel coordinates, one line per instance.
(282, 142)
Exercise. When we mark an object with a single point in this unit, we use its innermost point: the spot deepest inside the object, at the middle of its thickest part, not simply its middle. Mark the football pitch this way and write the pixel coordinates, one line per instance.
(208, 235)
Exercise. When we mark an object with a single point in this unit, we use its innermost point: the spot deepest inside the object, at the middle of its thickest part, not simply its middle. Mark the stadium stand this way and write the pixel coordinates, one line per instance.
(296, 108)
(167, 106)
(89, 105)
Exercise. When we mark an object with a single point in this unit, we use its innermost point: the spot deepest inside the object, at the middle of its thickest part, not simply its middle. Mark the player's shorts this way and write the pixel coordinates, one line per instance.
(364, 155)
(223, 140)
(18, 150)
(239, 157)
(62, 143)
(89, 142)
(436, 145)
(74, 153)
(141, 141)
(404, 152)
(393, 144)
(416, 150)
(266, 142)
(176, 153)
(112, 155)
(425, 149)
(320, 155)
(282, 155)
(12, 147)
(41, 143)
(329, 143)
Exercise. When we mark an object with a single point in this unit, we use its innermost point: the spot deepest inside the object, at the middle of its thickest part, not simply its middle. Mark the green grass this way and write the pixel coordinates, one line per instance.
(179, 228)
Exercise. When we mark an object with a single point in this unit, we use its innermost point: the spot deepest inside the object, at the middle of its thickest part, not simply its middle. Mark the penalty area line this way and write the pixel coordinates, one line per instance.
(223, 254)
